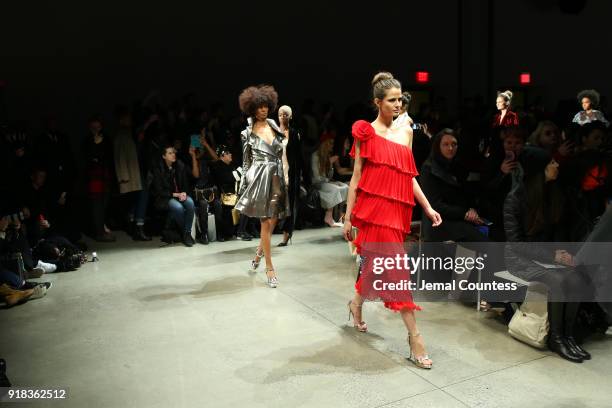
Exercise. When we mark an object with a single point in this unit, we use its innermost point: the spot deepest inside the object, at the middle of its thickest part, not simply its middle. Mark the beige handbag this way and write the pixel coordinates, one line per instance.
(530, 322)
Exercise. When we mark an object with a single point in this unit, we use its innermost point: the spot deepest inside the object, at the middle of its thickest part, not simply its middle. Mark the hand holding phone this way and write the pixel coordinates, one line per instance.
(195, 141)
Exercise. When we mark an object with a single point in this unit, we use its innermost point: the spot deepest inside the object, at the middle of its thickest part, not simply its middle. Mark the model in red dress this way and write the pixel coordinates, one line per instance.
(505, 117)
(382, 194)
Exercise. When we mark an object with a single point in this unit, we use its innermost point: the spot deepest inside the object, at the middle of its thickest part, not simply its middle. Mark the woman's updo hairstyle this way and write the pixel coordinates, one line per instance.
(253, 97)
(382, 82)
(507, 95)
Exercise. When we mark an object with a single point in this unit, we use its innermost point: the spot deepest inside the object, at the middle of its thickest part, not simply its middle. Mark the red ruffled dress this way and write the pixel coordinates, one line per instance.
(382, 212)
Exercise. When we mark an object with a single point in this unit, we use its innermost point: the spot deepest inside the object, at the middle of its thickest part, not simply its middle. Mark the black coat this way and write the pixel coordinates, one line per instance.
(521, 250)
(162, 181)
(446, 193)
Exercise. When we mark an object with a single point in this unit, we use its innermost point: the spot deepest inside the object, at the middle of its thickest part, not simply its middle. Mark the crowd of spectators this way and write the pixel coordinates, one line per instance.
(171, 170)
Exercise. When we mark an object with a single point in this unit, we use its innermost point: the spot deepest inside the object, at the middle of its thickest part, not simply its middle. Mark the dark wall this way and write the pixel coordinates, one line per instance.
(564, 52)
(78, 59)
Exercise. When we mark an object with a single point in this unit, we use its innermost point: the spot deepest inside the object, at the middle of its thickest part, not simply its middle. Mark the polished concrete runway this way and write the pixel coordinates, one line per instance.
(189, 327)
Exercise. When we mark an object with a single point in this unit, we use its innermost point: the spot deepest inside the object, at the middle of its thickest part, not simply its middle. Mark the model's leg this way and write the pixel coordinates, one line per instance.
(418, 353)
(267, 227)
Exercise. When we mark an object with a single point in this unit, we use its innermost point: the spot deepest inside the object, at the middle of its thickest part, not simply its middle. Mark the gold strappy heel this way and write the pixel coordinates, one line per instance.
(419, 361)
(359, 326)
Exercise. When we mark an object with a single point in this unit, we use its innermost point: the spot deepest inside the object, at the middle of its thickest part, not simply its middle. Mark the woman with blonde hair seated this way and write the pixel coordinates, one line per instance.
(332, 193)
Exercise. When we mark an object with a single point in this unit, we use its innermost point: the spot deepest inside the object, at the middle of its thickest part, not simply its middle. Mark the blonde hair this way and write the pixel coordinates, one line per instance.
(507, 95)
(286, 108)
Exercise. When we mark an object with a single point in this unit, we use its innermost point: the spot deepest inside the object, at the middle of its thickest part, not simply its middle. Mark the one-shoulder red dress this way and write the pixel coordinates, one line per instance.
(383, 211)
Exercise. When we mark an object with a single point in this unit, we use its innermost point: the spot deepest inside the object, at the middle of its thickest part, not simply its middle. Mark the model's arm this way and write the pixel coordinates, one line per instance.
(246, 161)
(352, 194)
(432, 214)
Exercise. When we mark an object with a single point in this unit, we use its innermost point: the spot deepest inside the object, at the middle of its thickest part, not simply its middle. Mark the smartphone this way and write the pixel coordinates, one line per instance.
(486, 222)
(510, 155)
(195, 141)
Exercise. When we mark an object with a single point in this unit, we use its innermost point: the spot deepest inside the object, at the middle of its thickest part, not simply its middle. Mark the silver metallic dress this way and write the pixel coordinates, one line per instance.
(262, 193)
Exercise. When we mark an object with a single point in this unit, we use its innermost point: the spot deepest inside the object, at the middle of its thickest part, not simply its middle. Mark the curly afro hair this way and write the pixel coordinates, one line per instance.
(255, 96)
(593, 96)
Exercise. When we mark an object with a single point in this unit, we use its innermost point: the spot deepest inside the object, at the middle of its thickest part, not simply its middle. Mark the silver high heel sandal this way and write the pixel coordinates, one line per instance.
(259, 253)
(273, 281)
(359, 326)
(419, 361)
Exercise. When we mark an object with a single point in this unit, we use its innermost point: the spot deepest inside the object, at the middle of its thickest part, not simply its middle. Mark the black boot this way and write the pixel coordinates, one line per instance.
(556, 341)
(139, 234)
(559, 345)
(570, 312)
(203, 238)
(585, 355)
(187, 240)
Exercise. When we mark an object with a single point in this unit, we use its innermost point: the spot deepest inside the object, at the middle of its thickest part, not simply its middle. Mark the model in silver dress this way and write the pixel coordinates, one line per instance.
(263, 192)
(263, 189)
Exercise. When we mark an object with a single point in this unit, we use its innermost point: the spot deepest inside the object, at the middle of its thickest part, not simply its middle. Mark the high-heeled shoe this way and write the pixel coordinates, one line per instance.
(272, 281)
(285, 242)
(359, 326)
(255, 262)
(419, 361)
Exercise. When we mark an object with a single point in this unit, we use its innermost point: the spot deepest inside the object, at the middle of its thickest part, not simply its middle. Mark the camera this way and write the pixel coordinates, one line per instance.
(417, 126)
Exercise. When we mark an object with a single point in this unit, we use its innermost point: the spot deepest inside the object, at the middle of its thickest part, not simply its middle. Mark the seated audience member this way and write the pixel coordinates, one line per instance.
(585, 178)
(548, 137)
(331, 193)
(14, 288)
(496, 179)
(44, 216)
(343, 163)
(169, 186)
(596, 258)
(534, 213)
(589, 101)
(590, 136)
(442, 182)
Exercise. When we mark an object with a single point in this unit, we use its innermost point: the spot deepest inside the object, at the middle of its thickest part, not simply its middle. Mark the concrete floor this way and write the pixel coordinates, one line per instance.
(188, 327)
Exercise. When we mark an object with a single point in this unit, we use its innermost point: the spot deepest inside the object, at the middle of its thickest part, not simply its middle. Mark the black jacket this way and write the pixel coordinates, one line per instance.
(444, 188)
(162, 181)
(522, 247)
